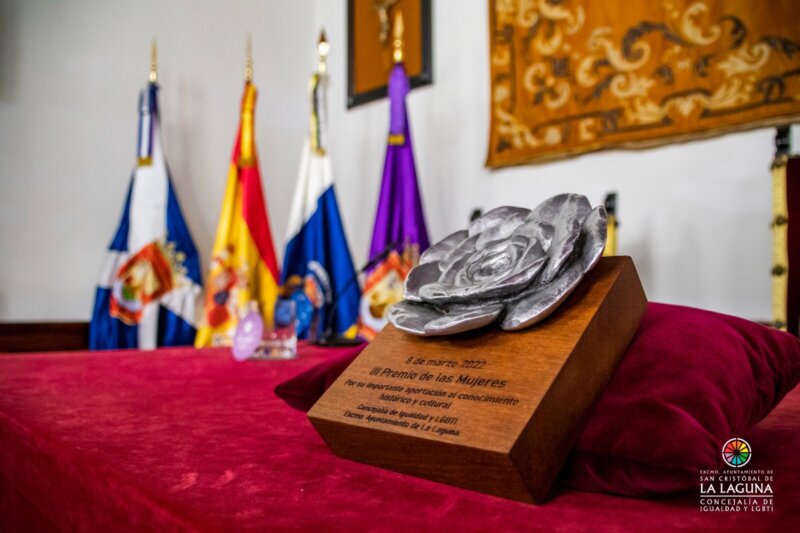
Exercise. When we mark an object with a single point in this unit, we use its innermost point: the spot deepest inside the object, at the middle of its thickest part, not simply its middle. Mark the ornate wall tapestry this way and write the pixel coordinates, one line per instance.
(574, 76)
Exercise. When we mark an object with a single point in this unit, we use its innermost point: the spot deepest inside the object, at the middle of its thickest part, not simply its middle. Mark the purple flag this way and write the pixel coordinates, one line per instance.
(399, 216)
(399, 221)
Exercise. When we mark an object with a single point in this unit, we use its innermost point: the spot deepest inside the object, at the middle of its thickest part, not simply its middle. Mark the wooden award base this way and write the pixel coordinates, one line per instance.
(491, 411)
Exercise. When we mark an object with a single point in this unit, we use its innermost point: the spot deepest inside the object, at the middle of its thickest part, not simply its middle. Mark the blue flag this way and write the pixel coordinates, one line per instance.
(149, 291)
(317, 256)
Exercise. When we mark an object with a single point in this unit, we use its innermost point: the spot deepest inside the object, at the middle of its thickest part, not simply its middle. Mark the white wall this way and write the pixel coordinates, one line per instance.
(694, 216)
(70, 73)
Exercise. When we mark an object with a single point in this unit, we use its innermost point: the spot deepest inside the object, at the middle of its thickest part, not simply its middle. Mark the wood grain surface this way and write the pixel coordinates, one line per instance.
(491, 411)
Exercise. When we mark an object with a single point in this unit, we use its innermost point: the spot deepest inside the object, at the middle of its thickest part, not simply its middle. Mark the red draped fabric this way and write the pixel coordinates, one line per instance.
(184, 439)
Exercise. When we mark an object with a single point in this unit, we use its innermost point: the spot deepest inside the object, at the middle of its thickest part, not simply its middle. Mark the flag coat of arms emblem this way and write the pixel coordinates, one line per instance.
(243, 265)
(317, 257)
(149, 291)
(399, 221)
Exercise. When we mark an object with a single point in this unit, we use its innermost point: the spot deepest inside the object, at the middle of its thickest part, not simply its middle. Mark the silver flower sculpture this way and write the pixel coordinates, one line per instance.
(512, 265)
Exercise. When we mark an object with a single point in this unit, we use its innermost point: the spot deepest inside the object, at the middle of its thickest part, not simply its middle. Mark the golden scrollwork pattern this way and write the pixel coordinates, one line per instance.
(574, 76)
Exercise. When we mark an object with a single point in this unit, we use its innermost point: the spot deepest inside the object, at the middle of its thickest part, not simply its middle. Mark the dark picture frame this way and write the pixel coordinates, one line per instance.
(424, 48)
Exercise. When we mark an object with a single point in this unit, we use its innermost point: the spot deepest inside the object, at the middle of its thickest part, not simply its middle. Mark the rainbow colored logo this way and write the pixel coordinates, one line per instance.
(736, 452)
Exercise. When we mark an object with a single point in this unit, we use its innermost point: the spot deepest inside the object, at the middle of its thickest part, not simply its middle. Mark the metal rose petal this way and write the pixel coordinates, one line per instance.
(538, 230)
(565, 238)
(439, 251)
(511, 264)
(492, 263)
(565, 213)
(412, 317)
(530, 266)
(426, 320)
(450, 274)
(593, 235)
(506, 215)
(458, 320)
(556, 206)
(465, 248)
(539, 302)
(497, 233)
(422, 274)
(515, 279)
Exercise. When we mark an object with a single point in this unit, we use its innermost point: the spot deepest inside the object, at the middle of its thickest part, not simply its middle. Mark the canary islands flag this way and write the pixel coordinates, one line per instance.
(243, 265)
(317, 257)
(149, 290)
(399, 221)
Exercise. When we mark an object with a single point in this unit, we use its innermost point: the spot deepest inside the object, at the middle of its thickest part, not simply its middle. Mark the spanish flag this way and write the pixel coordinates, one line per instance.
(243, 265)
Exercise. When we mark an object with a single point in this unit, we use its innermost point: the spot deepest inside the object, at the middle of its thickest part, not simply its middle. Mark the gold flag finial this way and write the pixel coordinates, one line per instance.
(248, 61)
(153, 77)
(397, 34)
(323, 47)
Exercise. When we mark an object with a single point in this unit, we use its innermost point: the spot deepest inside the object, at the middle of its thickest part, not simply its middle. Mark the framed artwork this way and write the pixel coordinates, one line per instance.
(576, 76)
(369, 46)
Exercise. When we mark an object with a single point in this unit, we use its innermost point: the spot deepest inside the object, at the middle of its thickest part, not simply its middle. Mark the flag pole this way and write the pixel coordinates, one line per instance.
(318, 81)
(397, 32)
(248, 62)
(153, 76)
(323, 47)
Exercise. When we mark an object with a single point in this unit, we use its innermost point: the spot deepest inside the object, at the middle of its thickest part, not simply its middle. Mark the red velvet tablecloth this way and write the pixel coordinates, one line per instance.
(180, 439)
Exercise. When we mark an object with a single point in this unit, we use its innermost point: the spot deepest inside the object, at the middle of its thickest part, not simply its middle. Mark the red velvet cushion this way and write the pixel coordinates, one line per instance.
(303, 390)
(691, 379)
